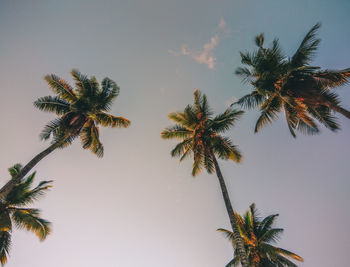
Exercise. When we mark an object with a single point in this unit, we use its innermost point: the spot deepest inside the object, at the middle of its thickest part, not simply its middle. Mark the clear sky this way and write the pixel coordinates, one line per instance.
(138, 206)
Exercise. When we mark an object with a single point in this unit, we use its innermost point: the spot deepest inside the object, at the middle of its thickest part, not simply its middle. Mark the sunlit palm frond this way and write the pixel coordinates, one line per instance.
(109, 120)
(30, 220)
(225, 149)
(177, 132)
(5, 245)
(61, 87)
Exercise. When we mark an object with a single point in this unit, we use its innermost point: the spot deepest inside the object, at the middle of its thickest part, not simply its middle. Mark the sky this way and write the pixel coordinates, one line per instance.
(137, 206)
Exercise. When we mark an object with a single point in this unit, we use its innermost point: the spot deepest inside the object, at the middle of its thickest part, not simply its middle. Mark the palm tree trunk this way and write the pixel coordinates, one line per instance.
(17, 179)
(340, 110)
(237, 236)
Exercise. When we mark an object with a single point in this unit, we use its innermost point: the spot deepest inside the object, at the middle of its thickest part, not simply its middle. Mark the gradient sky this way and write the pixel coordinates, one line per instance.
(138, 206)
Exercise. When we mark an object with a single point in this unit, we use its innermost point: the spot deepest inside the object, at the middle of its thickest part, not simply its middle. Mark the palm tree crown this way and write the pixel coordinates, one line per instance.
(257, 235)
(13, 210)
(200, 134)
(293, 85)
(80, 110)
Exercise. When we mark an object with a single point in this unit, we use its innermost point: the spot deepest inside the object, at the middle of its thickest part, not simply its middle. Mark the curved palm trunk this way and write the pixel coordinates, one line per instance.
(10, 184)
(237, 236)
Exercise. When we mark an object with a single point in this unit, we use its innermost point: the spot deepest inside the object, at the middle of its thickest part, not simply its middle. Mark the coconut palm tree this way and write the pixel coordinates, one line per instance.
(291, 84)
(258, 235)
(14, 211)
(200, 136)
(80, 110)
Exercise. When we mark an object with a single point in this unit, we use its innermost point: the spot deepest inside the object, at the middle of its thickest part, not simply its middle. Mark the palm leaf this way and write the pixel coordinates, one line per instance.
(30, 220)
(5, 244)
(61, 87)
(52, 104)
(108, 120)
(307, 48)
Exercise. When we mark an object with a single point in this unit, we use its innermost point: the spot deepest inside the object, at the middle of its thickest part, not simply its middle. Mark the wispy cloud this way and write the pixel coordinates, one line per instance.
(205, 56)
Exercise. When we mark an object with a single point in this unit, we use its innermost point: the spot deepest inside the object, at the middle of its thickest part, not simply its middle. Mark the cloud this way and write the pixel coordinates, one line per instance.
(205, 56)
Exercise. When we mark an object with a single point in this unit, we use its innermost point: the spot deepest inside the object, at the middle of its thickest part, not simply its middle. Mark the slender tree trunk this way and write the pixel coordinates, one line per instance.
(237, 236)
(17, 179)
(340, 110)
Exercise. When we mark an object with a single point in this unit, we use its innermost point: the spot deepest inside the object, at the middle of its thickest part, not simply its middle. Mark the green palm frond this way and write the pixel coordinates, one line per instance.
(272, 235)
(177, 132)
(269, 110)
(224, 148)
(108, 93)
(182, 149)
(109, 120)
(223, 122)
(82, 83)
(22, 195)
(52, 128)
(89, 136)
(61, 87)
(15, 169)
(52, 104)
(307, 48)
(246, 75)
(5, 244)
(323, 115)
(20, 190)
(30, 220)
(251, 100)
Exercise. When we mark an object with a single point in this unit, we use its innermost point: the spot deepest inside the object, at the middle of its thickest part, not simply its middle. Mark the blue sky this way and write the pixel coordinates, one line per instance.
(138, 206)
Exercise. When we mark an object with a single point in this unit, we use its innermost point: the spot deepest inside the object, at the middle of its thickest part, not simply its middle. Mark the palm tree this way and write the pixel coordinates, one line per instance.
(257, 235)
(200, 135)
(293, 85)
(14, 211)
(79, 112)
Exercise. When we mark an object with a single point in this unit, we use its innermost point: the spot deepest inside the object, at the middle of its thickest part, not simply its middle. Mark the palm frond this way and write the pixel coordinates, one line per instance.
(177, 132)
(15, 169)
(245, 74)
(251, 100)
(182, 149)
(110, 91)
(52, 104)
(18, 192)
(324, 116)
(259, 40)
(269, 110)
(52, 128)
(329, 79)
(89, 136)
(224, 148)
(61, 87)
(228, 234)
(226, 120)
(29, 219)
(5, 245)
(108, 120)
(307, 48)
